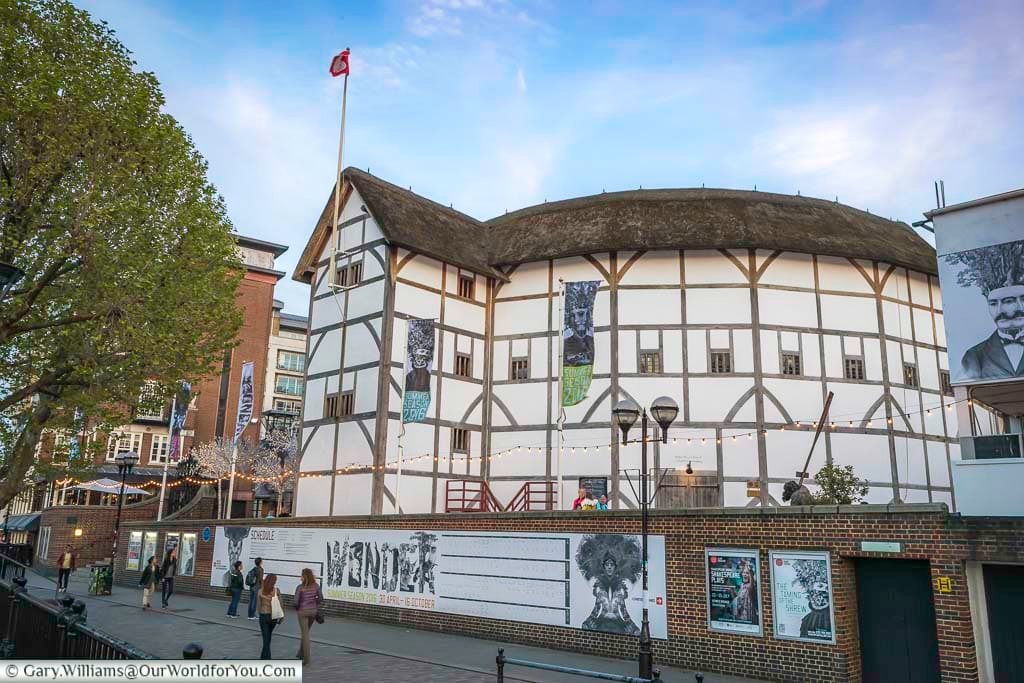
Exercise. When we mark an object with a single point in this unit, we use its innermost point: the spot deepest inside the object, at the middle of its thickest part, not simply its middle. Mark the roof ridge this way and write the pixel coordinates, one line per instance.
(448, 209)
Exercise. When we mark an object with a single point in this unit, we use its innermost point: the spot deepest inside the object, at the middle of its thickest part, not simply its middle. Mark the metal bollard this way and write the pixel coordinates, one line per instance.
(192, 651)
(699, 677)
(657, 676)
(500, 661)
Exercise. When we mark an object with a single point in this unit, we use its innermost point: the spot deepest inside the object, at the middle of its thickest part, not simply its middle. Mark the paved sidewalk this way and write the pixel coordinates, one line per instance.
(342, 649)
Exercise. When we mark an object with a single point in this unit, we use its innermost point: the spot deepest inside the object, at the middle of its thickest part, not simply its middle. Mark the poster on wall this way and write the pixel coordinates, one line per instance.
(734, 590)
(419, 361)
(134, 550)
(585, 581)
(149, 547)
(578, 340)
(802, 596)
(187, 555)
(170, 543)
(983, 293)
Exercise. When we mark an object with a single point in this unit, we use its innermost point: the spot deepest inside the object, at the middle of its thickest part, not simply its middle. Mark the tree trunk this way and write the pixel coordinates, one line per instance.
(24, 454)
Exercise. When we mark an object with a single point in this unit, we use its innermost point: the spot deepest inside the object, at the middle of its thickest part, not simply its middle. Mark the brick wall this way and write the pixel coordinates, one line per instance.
(925, 532)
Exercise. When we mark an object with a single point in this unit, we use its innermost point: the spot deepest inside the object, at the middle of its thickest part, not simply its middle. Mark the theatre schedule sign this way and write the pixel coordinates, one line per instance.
(586, 581)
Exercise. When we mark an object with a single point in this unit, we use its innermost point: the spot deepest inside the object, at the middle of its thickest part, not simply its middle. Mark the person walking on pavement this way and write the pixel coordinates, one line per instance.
(271, 612)
(235, 584)
(168, 570)
(150, 576)
(65, 565)
(254, 581)
(307, 603)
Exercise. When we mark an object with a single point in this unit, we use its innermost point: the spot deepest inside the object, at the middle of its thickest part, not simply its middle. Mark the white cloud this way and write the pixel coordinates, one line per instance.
(520, 80)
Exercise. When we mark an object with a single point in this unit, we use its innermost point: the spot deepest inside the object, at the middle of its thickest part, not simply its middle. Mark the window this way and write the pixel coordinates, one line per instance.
(520, 369)
(791, 364)
(944, 384)
(150, 407)
(331, 406)
(854, 368)
(467, 286)
(286, 384)
(910, 374)
(460, 440)
(44, 542)
(291, 360)
(123, 443)
(463, 365)
(650, 362)
(159, 447)
(63, 444)
(287, 404)
(346, 403)
(349, 274)
(721, 362)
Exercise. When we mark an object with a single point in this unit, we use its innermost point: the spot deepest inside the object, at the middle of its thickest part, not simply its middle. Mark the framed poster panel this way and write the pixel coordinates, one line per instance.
(802, 603)
(149, 547)
(134, 550)
(170, 543)
(187, 555)
(733, 590)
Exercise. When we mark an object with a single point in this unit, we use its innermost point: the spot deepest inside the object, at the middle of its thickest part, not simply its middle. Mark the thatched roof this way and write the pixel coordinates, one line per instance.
(628, 221)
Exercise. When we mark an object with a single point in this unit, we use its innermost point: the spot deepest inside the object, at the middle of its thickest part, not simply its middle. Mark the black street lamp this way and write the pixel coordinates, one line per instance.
(625, 414)
(9, 276)
(125, 463)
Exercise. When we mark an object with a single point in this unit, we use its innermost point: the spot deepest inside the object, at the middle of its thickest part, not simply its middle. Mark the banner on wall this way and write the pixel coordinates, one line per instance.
(245, 400)
(802, 607)
(181, 402)
(419, 361)
(585, 581)
(734, 590)
(578, 340)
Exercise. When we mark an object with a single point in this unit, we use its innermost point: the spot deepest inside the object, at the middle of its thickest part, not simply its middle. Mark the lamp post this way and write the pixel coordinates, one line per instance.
(9, 276)
(125, 463)
(278, 419)
(625, 414)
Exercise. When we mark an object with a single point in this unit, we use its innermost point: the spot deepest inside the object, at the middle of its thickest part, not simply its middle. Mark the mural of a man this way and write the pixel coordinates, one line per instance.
(998, 271)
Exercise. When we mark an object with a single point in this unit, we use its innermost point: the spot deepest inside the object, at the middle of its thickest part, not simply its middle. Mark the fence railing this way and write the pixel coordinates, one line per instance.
(34, 627)
(502, 661)
(470, 496)
(534, 495)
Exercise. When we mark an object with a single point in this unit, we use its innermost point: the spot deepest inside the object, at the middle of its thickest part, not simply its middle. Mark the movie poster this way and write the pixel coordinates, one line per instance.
(419, 362)
(591, 582)
(983, 292)
(734, 590)
(187, 555)
(149, 547)
(170, 543)
(802, 596)
(578, 340)
(134, 550)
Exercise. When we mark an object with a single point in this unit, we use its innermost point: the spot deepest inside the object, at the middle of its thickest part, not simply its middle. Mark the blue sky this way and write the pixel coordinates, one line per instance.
(497, 104)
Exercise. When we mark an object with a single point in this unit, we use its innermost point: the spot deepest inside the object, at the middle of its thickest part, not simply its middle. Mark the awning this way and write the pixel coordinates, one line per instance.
(23, 522)
(110, 486)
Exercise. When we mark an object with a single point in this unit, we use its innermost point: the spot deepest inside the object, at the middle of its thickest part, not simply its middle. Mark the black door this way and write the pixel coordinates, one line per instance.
(1004, 593)
(897, 622)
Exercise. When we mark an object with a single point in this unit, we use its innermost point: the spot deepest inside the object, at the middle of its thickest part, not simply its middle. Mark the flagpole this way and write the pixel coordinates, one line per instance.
(231, 480)
(337, 186)
(167, 457)
(561, 409)
(401, 432)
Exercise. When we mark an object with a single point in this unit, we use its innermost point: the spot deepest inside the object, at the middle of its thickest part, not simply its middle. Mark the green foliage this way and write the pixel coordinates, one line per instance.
(839, 486)
(130, 265)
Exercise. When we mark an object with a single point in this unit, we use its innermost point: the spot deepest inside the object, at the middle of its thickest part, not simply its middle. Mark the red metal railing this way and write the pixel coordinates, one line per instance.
(534, 495)
(470, 496)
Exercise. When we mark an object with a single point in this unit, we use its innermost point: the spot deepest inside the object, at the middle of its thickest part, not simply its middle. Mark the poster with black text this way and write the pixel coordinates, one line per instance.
(802, 596)
(734, 590)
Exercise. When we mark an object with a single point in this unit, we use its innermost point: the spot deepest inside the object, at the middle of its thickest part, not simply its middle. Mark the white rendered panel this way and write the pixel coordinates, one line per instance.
(857, 314)
(710, 306)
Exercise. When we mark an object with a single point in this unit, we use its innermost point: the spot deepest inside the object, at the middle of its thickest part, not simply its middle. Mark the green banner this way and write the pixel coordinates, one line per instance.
(575, 383)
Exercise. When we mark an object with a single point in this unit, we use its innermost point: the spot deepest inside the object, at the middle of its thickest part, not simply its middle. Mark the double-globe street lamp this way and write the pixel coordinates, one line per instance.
(625, 414)
(125, 463)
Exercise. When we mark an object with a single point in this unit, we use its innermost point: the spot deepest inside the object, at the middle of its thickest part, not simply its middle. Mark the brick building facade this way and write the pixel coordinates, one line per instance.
(948, 545)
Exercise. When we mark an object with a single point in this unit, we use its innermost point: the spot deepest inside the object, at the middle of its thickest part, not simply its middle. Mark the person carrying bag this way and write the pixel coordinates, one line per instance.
(270, 610)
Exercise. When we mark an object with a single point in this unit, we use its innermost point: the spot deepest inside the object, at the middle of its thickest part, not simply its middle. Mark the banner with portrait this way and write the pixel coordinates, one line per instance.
(181, 401)
(419, 362)
(733, 590)
(802, 607)
(578, 340)
(245, 400)
(591, 582)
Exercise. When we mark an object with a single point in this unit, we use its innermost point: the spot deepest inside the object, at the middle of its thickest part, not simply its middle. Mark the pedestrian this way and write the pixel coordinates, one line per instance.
(235, 584)
(168, 570)
(253, 581)
(307, 603)
(271, 612)
(150, 576)
(578, 503)
(65, 565)
(602, 503)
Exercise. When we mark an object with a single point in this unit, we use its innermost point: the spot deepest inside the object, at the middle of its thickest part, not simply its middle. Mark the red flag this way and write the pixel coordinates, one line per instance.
(339, 65)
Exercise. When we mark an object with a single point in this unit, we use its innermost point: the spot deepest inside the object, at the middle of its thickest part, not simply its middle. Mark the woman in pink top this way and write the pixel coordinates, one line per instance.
(307, 604)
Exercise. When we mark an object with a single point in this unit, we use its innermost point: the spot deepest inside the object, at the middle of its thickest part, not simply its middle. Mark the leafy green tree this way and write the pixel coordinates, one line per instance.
(839, 486)
(130, 265)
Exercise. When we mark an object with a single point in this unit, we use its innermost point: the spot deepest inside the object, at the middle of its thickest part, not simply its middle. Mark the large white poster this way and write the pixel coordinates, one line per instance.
(585, 581)
(802, 596)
